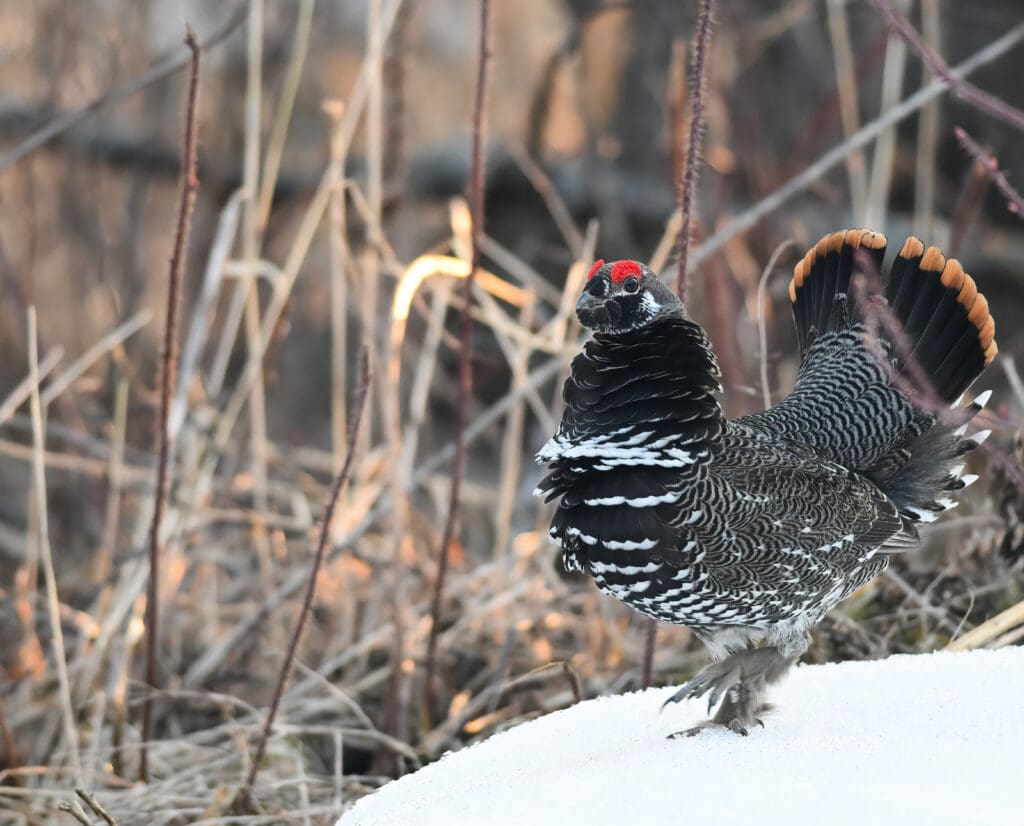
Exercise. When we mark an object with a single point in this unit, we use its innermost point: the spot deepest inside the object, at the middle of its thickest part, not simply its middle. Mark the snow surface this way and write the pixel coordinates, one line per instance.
(930, 739)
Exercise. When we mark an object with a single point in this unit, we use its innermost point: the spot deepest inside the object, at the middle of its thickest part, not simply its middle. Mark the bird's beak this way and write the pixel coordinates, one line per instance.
(596, 312)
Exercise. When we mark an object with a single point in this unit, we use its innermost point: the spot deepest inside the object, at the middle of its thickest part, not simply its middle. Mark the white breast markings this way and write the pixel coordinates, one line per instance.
(639, 502)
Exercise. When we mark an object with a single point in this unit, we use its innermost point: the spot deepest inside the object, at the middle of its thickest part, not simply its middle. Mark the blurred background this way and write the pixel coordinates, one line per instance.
(333, 159)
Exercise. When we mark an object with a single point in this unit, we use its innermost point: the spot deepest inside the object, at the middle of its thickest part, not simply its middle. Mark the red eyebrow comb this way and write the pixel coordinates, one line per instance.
(593, 270)
(623, 270)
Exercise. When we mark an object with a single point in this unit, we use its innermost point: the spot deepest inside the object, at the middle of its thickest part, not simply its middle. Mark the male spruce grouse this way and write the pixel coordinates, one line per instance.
(748, 531)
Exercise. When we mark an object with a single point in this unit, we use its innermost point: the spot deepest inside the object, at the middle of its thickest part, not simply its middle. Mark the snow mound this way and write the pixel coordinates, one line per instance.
(931, 739)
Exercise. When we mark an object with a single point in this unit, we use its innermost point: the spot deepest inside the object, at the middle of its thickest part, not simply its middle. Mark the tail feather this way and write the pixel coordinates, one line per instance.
(934, 467)
(908, 274)
(936, 311)
(944, 317)
(943, 334)
(947, 328)
(821, 282)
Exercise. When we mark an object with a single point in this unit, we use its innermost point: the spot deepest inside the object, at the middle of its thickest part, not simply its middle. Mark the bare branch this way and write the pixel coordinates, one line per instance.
(814, 171)
(1014, 201)
(963, 89)
(688, 185)
(476, 206)
(314, 571)
(164, 69)
(168, 365)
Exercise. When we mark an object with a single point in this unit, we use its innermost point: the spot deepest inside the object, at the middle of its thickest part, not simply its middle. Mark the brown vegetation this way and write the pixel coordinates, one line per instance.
(333, 159)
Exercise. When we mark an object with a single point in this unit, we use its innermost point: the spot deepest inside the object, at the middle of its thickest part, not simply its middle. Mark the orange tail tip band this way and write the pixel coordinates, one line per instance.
(873, 240)
(953, 275)
(968, 296)
(912, 248)
(866, 238)
(930, 260)
(978, 314)
(933, 260)
(833, 243)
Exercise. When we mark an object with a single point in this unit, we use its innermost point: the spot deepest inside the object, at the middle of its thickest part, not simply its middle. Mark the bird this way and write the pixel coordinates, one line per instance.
(749, 530)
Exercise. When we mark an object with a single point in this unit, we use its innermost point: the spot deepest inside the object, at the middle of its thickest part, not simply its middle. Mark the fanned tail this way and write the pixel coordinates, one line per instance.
(941, 334)
(820, 287)
(946, 322)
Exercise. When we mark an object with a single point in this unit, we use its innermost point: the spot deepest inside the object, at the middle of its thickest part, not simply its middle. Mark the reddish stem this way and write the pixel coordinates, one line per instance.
(475, 197)
(688, 185)
(314, 571)
(168, 368)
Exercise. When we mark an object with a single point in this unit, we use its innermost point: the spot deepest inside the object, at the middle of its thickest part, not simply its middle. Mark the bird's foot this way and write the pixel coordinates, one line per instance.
(739, 682)
(740, 711)
(714, 680)
(735, 724)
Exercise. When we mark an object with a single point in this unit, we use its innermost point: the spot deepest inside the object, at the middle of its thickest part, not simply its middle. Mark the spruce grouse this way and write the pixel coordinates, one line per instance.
(748, 531)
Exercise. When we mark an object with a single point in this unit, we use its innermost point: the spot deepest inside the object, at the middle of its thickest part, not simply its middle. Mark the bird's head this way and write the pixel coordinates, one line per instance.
(622, 296)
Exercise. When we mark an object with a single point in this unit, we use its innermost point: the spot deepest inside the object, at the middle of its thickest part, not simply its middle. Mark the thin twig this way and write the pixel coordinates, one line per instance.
(542, 184)
(110, 341)
(12, 757)
(475, 196)
(677, 96)
(650, 643)
(97, 809)
(1009, 366)
(168, 364)
(762, 334)
(882, 160)
(163, 69)
(46, 552)
(340, 263)
(926, 166)
(988, 630)
(314, 571)
(967, 207)
(687, 196)
(688, 184)
(846, 87)
(396, 49)
(251, 237)
(963, 89)
(76, 812)
(1014, 201)
(202, 310)
(574, 681)
(283, 116)
(813, 172)
(23, 391)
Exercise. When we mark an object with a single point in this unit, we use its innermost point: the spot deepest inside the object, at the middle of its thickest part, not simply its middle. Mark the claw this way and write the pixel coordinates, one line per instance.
(678, 697)
(716, 695)
(692, 732)
(687, 691)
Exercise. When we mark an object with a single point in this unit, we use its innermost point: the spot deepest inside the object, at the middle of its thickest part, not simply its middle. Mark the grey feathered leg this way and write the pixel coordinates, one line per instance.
(740, 682)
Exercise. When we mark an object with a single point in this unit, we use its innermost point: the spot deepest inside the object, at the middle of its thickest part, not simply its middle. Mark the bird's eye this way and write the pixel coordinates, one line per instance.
(631, 284)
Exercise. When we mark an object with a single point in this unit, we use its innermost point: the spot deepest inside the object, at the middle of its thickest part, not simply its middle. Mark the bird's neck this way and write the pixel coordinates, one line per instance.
(664, 374)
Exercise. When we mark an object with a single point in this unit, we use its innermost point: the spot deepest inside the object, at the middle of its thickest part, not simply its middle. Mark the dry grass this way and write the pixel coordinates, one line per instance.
(298, 269)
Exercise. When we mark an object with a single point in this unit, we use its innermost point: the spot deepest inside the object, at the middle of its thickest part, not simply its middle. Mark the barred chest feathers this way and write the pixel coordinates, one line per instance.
(641, 423)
